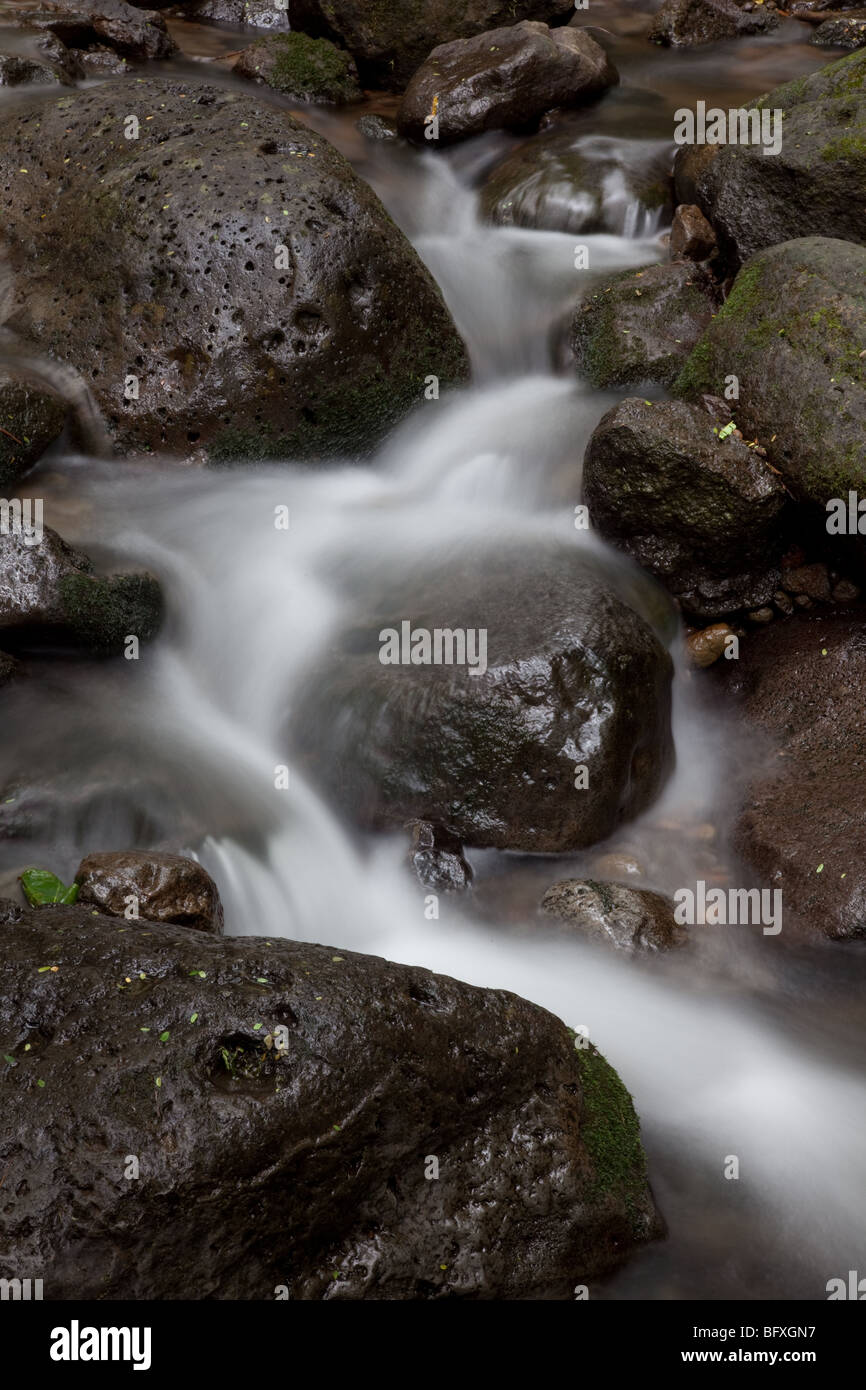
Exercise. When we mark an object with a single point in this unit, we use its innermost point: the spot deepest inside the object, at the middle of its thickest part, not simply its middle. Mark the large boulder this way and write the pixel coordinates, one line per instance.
(47, 589)
(814, 186)
(390, 39)
(793, 331)
(700, 513)
(505, 79)
(559, 181)
(307, 1122)
(302, 68)
(685, 23)
(161, 887)
(640, 325)
(251, 285)
(802, 826)
(129, 30)
(253, 14)
(574, 679)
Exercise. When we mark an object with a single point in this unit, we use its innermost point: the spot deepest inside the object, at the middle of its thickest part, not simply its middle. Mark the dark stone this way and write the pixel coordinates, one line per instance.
(232, 354)
(640, 325)
(437, 858)
(793, 329)
(505, 79)
(814, 186)
(802, 686)
(47, 588)
(561, 182)
(130, 31)
(305, 69)
(377, 127)
(167, 888)
(253, 14)
(847, 32)
(31, 418)
(691, 234)
(630, 919)
(574, 678)
(390, 39)
(690, 22)
(264, 1167)
(700, 514)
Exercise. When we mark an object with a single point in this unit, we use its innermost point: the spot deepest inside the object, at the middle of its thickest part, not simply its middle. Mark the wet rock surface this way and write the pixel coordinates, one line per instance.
(574, 678)
(437, 858)
(813, 186)
(803, 822)
(31, 418)
(700, 513)
(129, 30)
(263, 1167)
(504, 79)
(231, 352)
(166, 888)
(685, 23)
(794, 330)
(640, 325)
(303, 68)
(48, 590)
(629, 919)
(390, 39)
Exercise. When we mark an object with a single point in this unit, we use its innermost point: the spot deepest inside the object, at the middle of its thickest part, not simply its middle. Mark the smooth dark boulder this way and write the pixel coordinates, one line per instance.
(253, 287)
(390, 39)
(573, 678)
(685, 23)
(504, 79)
(166, 888)
(31, 418)
(802, 826)
(49, 589)
(130, 30)
(700, 513)
(561, 182)
(640, 325)
(305, 69)
(793, 331)
(635, 920)
(814, 186)
(284, 1102)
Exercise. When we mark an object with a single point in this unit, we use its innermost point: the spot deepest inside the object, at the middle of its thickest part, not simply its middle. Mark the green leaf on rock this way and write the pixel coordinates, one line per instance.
(41, 886)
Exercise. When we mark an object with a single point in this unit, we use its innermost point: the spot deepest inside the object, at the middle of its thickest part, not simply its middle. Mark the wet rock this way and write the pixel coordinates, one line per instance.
(437, 858)
(700, 513)
(573, 679)
(391, 39)
(166, 888)
(705, 646)
(100, 61)
(803, 823)
(270, 1167)
(305, 69)
(691, 234)
(845, 591)
(762, 616)
(814, 186)
(31, 418)
(504, 79)
(377, 127)
(640, 325)
(690, 22)
(306, 336)
(253, 14)
(794, 330)
(631, 919)
(808, 579)
(783, 602)
(129, 30)
(35, 56)
(49, 589)
(843, 32)
(561, 182)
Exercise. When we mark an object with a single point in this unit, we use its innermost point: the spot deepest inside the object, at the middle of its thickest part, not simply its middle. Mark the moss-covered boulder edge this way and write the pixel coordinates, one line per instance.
(304, 68)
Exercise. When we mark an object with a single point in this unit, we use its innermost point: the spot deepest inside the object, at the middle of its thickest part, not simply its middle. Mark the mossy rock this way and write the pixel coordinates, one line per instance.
(102, 612)
(641, 324)
(306, 69)
(610, 1129)
(30, 419)
(793, 331)
(814, 186)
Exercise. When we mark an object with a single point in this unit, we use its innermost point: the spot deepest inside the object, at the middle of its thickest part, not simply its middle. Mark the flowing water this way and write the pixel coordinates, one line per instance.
(744, 1046)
